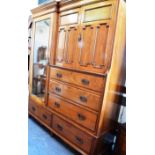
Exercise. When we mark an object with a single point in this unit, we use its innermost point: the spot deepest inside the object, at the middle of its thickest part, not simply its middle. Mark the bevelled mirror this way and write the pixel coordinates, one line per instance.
(40, 57)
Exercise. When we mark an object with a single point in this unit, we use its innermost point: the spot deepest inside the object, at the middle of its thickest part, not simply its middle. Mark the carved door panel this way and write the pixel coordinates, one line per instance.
(86, 42)
(60, 46)
(71, 45)
(67, 46)
(99, 49)
(92, 48)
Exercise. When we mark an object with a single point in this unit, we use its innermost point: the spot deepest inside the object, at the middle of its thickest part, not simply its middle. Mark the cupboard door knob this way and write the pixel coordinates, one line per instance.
(57, 104)
(59, 75)
(60, 127)
(57, 89)
(81, 117)
(79, 140)
(85, 81)
(33, 108)
(83, 99)
(44, 116)
(80, 37)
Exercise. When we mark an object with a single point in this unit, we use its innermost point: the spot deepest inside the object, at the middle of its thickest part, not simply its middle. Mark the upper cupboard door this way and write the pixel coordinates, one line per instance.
(92, 47)
(66, 46)
(67, 38)
(94, 37)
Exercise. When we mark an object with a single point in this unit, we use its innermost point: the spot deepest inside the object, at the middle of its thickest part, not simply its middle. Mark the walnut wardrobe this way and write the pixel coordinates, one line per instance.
(77, 66)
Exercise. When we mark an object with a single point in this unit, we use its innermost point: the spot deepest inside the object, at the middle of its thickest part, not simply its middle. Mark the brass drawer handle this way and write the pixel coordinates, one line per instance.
(83, 98)
(59, 75)
(57, 104)
(81, 117)
(57, 89)
(85, 81)
(60, 127)
(33, 108)
(79, 140)
(44, 116)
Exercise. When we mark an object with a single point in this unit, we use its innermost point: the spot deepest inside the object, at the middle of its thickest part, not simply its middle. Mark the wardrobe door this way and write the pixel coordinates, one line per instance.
(92, 47)
(67, 42)
(95, 37)
(67, 46)
(39, 57)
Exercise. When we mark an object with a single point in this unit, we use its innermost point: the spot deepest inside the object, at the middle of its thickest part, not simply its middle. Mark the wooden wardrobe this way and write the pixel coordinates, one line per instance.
(77, 66)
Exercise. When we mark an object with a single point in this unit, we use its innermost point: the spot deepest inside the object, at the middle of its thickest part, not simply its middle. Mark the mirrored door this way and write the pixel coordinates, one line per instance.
(40, 57)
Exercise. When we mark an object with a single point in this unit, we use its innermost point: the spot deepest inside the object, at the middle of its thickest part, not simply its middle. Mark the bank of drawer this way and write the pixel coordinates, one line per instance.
(45, 116)
(77, 95)
(73, 112)
(73, 134)
(92, 82)
(34, 108)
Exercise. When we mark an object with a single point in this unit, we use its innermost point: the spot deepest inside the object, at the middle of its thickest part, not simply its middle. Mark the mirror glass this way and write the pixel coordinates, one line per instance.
(40, 57)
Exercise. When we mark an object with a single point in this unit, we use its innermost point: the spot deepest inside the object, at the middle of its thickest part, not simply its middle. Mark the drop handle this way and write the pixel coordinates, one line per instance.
(79, 140)
(80, 37)
(59, 75)
(60, 127)
(83, 98)
(57, 89)
(81, 117)
(44, 116)
(85, 81)
(57, 104)
(80, 41)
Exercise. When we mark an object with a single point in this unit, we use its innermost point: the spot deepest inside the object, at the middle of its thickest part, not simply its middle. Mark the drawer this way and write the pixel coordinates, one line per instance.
(92, 82)
(79, 96)
(34, 108)
(72, 133)
(73, 112)
(45, 116)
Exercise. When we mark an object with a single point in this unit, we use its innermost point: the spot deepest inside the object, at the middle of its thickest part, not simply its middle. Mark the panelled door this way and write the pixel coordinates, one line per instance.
(92, 53)
(67, 43)
(94, 30)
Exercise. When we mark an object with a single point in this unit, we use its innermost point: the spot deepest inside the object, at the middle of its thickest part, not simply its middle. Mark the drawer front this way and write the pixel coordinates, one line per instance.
(95, 83)
(77, 95)
(73, 134)
(45, 116)
(34, 108)
(73, 112)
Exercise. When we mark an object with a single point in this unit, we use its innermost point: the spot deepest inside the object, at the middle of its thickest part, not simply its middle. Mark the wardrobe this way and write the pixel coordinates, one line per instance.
(77, 65)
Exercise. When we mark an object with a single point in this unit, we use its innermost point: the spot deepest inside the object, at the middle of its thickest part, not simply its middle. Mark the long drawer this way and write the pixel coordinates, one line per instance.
(79, 96)
(73, 134)
(73, 112)
(92, 82)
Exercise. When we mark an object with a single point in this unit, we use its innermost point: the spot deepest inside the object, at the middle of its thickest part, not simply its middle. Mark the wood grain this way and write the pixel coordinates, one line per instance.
(87, 64)
(76, 136)
(73, 112)
(92, 82)
(79, 96)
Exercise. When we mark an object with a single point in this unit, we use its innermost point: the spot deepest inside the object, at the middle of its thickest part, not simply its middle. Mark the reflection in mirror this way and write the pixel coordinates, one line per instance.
(40, 57)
